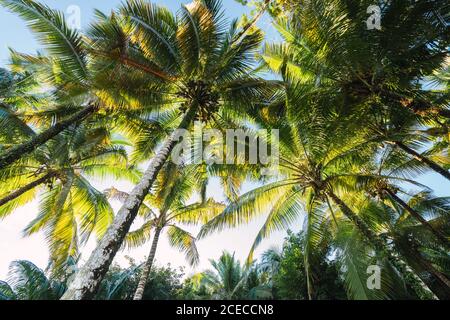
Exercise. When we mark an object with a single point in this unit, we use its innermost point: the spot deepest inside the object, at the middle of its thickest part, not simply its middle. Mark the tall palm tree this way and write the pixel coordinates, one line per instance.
(422, 252)
(66, 72)
(370, 74)
(18, 91)
(412, 241)
(406, 132)
(70, 207)
(392, 162)
(27, 282)
(179, 57)
(69, 72)
(166, 208)
(318, 162)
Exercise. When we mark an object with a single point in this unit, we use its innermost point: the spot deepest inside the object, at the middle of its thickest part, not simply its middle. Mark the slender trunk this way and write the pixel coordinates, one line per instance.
(421, 264)
(26, 188)
(428, 266)
(410, 277)
(138, 295)
(15, 153)
(419, 218)
(433, 165)
(89, 277)
(309, 286)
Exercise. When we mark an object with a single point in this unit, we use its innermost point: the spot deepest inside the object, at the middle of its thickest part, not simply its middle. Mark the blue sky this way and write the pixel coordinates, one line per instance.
(14, 34)
(13, 31)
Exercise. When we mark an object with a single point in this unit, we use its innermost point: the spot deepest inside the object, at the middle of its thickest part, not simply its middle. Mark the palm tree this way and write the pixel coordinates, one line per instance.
(66, 71)
(18, 91)
(179, 58)
(371, 75)
(166, 209)
(421, 252)
(352, 94)
(229, 281)
(412, 241)
(318, 160)
(74, 88)
(28, 282)
(393, 162)
(17, 152)
(270, 260)
(70, 207)
(116, 285)
(405, 132)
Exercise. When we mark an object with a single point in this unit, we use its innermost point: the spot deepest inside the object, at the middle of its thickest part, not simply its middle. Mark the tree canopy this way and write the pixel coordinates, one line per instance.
(362, 119)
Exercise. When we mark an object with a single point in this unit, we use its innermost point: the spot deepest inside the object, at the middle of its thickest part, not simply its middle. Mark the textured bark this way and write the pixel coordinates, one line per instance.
(433, 165)
(15, 153)
(28, 187)
(410, 277)
(89, 277)
(138, 295)
(419, 218)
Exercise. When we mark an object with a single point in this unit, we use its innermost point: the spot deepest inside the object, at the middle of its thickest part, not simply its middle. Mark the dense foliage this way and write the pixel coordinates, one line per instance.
(290, 280)
(28, 282)
(363, 116)
(278, 275)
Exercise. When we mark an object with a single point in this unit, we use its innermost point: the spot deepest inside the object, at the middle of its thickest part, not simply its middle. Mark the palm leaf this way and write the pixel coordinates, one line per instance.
(49, 25)
(185, 242)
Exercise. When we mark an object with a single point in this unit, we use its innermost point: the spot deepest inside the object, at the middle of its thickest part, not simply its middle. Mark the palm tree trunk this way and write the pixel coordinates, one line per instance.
(418, 217)
(15, 153)
(421, 264)
(428, 266)
(89, 277)
(147, 267)
(26, 188)
(410, 277)
(433, 165)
